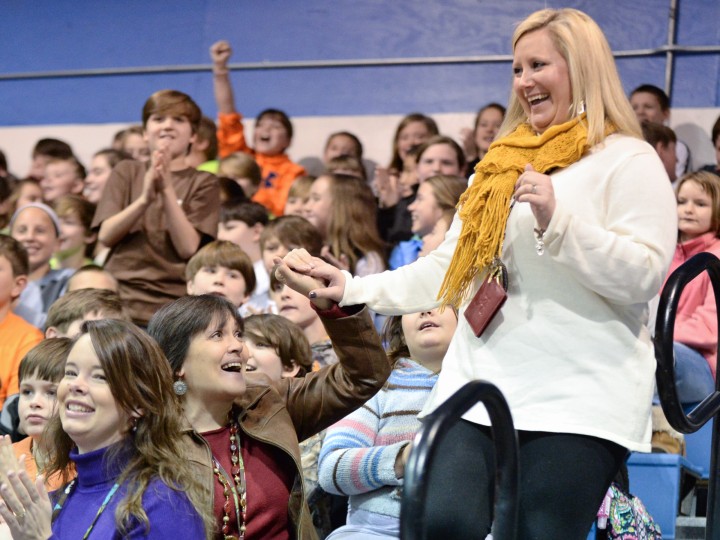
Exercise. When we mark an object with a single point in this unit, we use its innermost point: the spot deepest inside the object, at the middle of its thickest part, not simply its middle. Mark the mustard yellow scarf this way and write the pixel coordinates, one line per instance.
(485, 206)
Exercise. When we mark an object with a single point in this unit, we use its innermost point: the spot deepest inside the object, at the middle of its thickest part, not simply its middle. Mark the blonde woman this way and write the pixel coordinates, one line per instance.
(586, 246)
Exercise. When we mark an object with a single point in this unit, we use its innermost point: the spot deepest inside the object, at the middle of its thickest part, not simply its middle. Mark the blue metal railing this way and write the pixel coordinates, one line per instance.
(707, 409)
(434, 427)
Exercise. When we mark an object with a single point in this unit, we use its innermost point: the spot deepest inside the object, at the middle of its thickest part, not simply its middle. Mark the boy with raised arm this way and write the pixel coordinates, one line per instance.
(272, 136)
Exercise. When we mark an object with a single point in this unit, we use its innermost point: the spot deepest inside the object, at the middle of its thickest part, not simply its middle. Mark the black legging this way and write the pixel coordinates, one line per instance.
(563, 479)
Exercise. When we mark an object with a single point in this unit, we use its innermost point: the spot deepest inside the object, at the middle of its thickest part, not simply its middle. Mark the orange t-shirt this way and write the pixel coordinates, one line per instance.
(17, 337)
(25, 447)
(278, 172)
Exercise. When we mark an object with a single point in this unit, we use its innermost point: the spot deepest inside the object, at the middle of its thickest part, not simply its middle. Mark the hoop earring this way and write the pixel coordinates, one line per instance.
(180, 387)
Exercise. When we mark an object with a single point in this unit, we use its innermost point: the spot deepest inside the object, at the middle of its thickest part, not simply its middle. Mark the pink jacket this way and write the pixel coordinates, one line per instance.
(696, 324)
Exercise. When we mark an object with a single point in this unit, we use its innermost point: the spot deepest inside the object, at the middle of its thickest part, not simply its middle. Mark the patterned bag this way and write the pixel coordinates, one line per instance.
(626, 518)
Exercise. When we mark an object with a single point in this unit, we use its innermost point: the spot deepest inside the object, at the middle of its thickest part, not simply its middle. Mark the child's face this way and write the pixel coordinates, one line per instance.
(73, 235)
(137, 147)
(424, 210)
(220, 281)
(488, 127)
(96, 178)
(60, 179)
(36, 404)
(270, 136)
(339, 145)
(37, 167)
(295, 206)
(318, 208)
(296, 307)
(695, 208)
(271, 249)
(428, 333)
(413, 134)
(265, 359)
(168, 131)
(437, 159)
(240, 233)
(10, 285)
(29, 193)
(647, 108)
(34, 229)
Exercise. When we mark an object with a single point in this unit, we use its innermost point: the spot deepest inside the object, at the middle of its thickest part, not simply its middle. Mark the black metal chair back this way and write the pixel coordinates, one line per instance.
(707, 409)
(434, 427)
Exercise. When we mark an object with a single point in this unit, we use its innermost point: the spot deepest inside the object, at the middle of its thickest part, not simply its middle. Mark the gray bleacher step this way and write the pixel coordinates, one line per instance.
(690, 528)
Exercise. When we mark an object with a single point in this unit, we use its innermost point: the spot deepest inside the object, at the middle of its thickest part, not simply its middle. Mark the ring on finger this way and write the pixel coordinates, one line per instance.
(19, 515)
(534, 190)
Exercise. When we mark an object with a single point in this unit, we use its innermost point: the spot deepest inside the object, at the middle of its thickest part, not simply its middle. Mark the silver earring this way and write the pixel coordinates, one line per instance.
(180, 387)
(581, 107)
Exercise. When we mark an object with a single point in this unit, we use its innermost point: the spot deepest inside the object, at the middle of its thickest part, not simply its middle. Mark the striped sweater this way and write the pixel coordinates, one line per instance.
(358, 454)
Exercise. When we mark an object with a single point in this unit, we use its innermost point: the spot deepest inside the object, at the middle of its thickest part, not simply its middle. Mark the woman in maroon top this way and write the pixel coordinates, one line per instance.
(244, 430)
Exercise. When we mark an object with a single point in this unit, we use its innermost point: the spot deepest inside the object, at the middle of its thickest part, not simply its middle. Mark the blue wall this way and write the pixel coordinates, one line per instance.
(56, 35)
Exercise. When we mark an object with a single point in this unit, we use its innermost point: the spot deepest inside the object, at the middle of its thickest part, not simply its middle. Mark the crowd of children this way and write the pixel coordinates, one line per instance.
(179, 207)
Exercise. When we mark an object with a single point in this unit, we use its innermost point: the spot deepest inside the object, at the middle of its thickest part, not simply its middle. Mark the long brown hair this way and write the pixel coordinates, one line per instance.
(352, 228)
(140, 380)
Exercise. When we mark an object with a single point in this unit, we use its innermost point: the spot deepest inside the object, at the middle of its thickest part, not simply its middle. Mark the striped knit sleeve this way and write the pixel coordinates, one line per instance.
(359, 452)
(350, 463)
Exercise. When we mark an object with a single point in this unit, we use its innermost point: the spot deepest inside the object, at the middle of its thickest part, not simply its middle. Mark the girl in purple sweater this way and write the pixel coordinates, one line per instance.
(117, 427)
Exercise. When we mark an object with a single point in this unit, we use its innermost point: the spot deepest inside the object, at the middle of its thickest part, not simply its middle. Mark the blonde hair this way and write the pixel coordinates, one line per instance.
(593, 75)
(447, 190)
(241, 165)
(300, 188)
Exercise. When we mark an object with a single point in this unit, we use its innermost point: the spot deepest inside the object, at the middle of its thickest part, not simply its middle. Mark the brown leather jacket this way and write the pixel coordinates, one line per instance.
(291, 410)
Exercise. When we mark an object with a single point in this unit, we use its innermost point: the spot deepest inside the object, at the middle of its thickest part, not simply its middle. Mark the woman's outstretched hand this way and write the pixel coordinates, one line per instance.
(328, 282)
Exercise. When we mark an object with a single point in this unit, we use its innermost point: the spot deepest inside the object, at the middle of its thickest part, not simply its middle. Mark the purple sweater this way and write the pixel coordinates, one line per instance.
(170, 513)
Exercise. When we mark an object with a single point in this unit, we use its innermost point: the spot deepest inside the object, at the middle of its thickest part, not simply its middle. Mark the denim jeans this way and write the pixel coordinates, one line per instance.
(693, 377)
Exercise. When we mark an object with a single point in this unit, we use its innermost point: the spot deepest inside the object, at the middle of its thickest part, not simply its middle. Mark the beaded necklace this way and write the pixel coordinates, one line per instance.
(66, 493)
(233, 484)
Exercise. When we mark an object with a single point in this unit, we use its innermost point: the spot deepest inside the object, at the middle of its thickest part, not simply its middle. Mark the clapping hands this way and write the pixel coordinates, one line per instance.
(25, 506)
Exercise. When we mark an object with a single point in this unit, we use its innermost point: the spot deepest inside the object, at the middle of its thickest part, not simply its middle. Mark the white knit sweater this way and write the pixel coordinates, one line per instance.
(569, 349)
